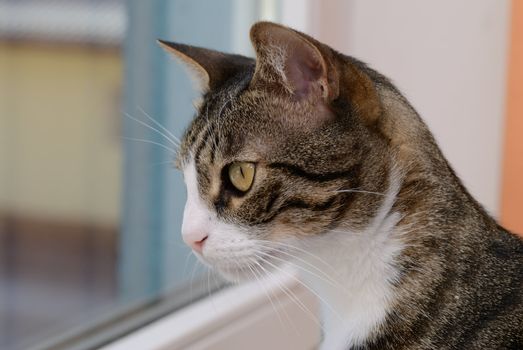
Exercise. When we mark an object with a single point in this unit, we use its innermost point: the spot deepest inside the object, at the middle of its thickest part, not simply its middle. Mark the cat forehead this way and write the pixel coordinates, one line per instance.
(238, 118)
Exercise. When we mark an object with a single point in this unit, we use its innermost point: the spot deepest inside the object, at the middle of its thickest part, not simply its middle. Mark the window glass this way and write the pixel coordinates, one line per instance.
(90, 205)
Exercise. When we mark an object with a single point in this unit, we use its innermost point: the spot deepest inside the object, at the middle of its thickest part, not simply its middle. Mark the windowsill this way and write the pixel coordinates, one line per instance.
(234, 318)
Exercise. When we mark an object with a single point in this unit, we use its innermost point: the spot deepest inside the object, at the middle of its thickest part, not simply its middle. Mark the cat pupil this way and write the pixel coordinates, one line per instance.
(241, 176)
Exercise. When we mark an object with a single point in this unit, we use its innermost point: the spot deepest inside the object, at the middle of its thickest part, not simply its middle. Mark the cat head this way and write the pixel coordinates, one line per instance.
(279, 149)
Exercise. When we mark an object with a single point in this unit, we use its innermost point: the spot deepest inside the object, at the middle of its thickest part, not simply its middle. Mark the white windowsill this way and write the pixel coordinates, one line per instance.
(239, 317)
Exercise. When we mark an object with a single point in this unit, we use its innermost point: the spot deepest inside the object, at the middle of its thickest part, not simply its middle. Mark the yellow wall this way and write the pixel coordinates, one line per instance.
(60, 154)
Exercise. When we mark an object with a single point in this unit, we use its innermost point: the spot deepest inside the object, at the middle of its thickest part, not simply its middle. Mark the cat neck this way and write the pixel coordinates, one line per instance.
(353, 274)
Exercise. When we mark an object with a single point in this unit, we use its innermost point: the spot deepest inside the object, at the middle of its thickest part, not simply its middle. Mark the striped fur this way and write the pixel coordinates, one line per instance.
(347, 171)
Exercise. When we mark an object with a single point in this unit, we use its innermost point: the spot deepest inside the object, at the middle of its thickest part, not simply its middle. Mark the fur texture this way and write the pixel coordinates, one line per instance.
(351, 186)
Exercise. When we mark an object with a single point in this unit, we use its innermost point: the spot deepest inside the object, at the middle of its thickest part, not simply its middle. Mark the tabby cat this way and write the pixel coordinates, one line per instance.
(308, 156)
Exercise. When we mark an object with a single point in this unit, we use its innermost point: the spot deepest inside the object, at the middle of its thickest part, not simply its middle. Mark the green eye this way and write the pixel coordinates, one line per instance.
(241, 175)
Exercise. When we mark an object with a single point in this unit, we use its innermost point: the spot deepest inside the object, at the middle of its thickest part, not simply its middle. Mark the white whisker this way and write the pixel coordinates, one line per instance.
(209, 289)
(294, 298)
(360, 191)
(304, 285)
(162, 163)
(152, 143)
(324, 276)
(186, 263)
(191, 281)
(272, 245)
(266, 292)
(160, 125)
(153, 129)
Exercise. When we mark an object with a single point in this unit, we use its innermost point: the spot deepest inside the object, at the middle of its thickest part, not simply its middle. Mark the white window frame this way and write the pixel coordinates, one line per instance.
(239, 317)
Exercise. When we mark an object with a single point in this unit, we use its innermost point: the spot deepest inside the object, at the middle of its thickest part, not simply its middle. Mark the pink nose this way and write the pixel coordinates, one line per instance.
(195, 241)
(198, 245)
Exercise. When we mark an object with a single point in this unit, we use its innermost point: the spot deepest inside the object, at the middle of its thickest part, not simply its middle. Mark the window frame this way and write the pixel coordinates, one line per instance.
(234, 317)
(151, 312)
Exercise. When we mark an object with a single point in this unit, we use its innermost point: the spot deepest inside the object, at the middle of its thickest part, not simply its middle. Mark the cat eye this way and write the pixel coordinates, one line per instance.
(241, 175)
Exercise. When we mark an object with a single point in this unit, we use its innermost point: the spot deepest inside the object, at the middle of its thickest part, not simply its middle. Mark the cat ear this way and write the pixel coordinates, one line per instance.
(294, 60)
(208, 68)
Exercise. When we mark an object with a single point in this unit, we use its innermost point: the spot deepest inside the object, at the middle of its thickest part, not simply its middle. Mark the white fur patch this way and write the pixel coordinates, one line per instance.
(196, 216)
(352, 273)
(360, 266)
(228, 248)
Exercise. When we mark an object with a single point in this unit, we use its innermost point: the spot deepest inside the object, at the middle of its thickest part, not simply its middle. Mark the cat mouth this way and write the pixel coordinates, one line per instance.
(242, 266)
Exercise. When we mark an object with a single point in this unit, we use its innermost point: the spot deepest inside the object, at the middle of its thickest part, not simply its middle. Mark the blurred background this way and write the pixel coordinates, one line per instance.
(61, 157)
(90, 205)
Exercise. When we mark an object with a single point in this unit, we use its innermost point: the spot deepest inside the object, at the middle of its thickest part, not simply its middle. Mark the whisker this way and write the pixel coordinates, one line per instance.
(348, 233)
(152, 143)
(191, 282)
(304, 285)
(209, 289)
(290, 246)
(282, 307)
(360, 191)
(152, 128)
(295, 299)
(224, 105)
(161, 163)
(324, 276)
(266, 292)
(160, 125)
(186, 262)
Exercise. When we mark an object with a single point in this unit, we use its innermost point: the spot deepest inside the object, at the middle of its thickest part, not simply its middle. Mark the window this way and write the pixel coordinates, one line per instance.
(90, 208)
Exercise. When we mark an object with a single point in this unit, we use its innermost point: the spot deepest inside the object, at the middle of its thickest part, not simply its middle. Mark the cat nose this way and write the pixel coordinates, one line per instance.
(196, 221)
(195, 240)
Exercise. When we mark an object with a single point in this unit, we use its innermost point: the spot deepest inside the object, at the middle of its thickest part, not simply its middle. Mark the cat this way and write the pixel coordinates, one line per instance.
(308, 156)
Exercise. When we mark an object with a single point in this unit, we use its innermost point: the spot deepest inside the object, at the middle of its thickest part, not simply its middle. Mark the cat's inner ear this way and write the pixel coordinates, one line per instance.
(209, 68)
(288, 57)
